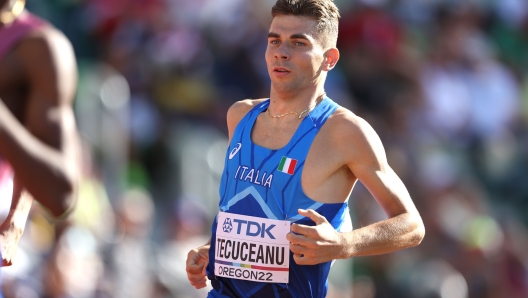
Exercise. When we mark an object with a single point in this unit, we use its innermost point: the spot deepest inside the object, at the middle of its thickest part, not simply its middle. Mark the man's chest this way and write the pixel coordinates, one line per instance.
(312, 151)
(274, 134)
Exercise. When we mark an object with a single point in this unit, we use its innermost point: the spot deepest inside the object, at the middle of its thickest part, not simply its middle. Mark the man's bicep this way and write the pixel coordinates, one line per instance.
(368, 163)
(388, 190)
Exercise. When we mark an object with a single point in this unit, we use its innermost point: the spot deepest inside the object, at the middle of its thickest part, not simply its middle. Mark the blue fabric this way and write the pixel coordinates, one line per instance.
(214, 294)
(252, 185)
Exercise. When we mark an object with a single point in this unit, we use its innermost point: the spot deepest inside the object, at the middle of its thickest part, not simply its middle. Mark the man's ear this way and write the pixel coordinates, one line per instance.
(331, 58)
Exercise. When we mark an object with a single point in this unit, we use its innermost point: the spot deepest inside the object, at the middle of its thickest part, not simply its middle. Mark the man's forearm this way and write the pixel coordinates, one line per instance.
(399, 232)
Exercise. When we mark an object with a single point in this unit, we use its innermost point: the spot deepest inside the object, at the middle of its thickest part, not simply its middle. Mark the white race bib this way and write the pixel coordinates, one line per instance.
(252, 248)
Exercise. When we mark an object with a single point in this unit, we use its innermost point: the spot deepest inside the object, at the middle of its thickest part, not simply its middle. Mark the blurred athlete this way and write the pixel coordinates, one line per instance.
(295, 158)
(38, 136)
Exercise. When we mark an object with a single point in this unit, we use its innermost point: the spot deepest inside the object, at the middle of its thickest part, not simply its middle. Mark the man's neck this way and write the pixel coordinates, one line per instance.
(285, 102)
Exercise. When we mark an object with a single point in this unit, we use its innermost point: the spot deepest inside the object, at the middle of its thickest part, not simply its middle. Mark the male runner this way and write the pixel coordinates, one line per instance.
(38, 140)
(295, 158)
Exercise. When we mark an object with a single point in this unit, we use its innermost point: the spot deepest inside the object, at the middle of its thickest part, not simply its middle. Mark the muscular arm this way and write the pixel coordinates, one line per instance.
(42, 147)
(367, 161)
(404, 227)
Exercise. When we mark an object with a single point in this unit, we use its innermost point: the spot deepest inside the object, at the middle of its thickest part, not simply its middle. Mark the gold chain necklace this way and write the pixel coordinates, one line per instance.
(7, 17)
(299, 115)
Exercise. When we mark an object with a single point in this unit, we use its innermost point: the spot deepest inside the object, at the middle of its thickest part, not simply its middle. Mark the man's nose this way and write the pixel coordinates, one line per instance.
(282, 54)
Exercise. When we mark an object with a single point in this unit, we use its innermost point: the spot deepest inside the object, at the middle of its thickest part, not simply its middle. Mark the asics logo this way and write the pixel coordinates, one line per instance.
(228, 225)
(235, 150)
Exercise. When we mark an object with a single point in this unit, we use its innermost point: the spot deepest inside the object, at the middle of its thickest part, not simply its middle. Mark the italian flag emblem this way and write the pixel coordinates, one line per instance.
(287, 165)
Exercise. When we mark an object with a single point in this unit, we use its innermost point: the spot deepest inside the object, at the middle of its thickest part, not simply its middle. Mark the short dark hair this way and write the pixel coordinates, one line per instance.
(325, 12)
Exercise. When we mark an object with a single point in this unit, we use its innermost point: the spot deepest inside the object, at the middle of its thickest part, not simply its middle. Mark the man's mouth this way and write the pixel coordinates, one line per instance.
(280, 70)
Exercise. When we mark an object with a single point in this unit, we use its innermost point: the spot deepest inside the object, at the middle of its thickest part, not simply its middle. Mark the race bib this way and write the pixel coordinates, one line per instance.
(252, 248)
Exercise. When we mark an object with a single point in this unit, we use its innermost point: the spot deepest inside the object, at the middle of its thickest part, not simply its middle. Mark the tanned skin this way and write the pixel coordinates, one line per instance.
(38, 134)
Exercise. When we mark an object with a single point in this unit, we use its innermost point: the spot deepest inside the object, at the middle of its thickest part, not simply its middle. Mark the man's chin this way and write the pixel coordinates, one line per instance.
(284, 87)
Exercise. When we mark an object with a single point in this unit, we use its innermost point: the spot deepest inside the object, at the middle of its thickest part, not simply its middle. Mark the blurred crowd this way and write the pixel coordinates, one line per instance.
(443, 82)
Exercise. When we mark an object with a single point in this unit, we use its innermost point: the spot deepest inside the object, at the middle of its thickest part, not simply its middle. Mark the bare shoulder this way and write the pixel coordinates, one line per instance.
(238, 110)
(352, 136)
(49, 61)
(344, 123)
(49, 42)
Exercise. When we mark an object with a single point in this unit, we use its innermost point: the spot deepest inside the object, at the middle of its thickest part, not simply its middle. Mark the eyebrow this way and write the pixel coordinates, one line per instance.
(293, 36)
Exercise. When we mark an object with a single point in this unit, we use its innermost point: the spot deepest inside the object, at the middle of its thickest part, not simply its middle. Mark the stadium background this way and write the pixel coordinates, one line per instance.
(444, 83)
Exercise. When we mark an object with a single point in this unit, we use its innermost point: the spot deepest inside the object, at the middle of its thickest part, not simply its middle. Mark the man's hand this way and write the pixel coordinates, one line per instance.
(197, 260)
(318, 244)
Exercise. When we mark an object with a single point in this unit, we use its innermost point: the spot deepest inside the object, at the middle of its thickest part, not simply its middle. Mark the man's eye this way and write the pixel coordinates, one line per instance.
(275, 41)
(298, 43)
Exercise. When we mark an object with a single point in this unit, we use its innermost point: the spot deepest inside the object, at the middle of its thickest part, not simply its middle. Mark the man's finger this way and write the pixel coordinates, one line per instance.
(295, 236)
(194, 268)
(200, 286)
(196, 277)
(197, 280)
(199, 283)
(313, 215)
(303, 230)
(298, 249)
(195, 262)
(303, 260)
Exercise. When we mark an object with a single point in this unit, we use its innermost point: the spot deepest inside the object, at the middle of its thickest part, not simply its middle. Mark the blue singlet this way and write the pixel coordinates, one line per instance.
(253, 185)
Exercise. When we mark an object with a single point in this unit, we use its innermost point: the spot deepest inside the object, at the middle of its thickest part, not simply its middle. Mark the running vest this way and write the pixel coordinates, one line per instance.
(266, 183)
